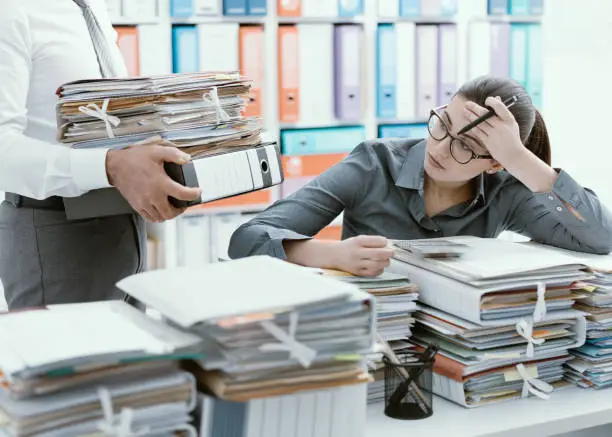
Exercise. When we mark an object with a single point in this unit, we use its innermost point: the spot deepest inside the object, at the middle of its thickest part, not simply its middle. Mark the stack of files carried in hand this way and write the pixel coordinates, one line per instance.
(592, 363)
(198, 112)
(271, 328)
(101, 368)
(495, 305)
(395, 297)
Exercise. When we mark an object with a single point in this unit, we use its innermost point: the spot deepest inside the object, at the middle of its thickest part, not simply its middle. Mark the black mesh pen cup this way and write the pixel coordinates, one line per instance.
(408, 390)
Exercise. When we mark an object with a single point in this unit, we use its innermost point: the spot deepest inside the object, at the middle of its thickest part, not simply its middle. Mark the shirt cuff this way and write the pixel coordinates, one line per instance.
(89, 168)
(567, 189)
(278, 236)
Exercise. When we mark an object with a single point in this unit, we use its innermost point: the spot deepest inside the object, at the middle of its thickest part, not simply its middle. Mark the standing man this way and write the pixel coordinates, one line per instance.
(45, 258)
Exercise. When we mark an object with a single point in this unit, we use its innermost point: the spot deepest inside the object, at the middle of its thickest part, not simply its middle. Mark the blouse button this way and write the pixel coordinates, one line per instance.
(559, 208)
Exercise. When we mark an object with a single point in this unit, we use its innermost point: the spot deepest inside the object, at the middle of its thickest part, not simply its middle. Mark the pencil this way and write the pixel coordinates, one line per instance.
(509, 102)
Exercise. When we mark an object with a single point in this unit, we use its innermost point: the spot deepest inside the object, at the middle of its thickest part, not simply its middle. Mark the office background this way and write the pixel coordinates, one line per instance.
(331, 73)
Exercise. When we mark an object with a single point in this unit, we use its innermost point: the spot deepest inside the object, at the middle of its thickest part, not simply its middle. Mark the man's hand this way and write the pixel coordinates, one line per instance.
(138, 173)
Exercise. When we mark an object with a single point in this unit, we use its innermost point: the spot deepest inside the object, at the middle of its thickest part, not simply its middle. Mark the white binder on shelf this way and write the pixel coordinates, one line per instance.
(218, 46)
(207, 7)
(222, 226)
(316, 78)
(193, 240)
(140, 9)
(388, 8)
(155, 49)
(319, 8)
(406, 89)
(479, 49)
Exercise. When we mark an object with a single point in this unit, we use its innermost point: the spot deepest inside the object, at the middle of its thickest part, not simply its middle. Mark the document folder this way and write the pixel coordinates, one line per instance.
(221, 175)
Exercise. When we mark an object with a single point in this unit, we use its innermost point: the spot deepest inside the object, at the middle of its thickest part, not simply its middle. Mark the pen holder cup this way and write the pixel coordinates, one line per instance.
(408, 387)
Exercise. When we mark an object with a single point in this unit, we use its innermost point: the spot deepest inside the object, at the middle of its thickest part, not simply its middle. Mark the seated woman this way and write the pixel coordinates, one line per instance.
(495, 177)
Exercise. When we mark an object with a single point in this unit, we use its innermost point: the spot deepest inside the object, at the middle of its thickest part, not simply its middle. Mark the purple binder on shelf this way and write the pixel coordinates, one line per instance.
(347, 72)
(500, 49)
(427, 69)
(447, 62)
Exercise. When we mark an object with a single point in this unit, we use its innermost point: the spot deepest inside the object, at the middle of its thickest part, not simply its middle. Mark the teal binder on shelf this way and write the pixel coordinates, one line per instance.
(256, 7)
(386, 72)
(518, 52)
(409, 8)
(518, 7)
(497, 7)
(181, 8)
(403, 131)
(295, 142)
(234, 7)
(349, 8)
(185, 53)
(535, 52)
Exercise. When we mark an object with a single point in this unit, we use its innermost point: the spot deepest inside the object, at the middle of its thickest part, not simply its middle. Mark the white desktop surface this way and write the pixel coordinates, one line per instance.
(568, 410)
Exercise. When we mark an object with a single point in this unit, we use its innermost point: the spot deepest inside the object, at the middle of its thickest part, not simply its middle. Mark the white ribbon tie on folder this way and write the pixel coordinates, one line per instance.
(213, 98)
(304, 354)
(116, 426)
(95, 111)
(525, 330)
(532, 385)
(540, 308)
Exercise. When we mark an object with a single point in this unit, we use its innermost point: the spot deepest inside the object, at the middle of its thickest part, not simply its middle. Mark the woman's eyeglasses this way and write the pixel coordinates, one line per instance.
(459, 150)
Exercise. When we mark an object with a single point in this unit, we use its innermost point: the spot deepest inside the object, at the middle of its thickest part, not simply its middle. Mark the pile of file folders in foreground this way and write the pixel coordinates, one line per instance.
(200, 113)
(503, 315)
(396, 299)
(234, 352)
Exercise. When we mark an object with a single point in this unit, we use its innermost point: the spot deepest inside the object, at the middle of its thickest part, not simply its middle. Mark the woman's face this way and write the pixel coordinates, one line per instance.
(439, 163)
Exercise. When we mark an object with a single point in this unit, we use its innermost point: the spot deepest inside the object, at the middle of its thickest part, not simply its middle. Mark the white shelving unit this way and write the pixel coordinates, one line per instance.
(468, 11)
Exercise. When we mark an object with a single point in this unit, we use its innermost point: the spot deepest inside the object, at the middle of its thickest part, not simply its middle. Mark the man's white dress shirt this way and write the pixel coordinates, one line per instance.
(43, 44)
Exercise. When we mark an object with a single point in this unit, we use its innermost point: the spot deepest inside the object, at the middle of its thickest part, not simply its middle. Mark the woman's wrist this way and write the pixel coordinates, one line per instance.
(313, 253)
(534, 173)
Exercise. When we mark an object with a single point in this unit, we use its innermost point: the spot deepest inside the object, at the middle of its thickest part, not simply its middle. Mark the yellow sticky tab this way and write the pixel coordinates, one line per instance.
(347, 357)
(514, 375)
(589, 288)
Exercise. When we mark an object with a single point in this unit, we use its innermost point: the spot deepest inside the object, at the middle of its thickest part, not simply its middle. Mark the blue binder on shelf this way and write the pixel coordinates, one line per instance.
(518, 7)
(535, 53)
(518, 52)
(256, 7)
(403, 131)
(181, 8)
(409, 8)
(321, 140)
(536, 7)
(497, 7)
(185, 53)
(235, 7)
(349, 8)
(386, 72)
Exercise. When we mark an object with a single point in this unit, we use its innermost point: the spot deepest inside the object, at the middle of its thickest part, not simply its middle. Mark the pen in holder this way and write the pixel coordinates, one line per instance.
(408, 384)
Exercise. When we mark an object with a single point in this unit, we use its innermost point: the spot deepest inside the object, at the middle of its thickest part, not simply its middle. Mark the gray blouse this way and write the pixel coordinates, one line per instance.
(379, 187)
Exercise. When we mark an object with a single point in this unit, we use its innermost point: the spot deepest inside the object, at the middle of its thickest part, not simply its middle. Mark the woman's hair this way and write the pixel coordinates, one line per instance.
(532, 128)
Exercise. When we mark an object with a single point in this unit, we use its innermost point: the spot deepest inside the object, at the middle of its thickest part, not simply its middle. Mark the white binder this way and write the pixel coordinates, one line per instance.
(405, 34)
(218, 46)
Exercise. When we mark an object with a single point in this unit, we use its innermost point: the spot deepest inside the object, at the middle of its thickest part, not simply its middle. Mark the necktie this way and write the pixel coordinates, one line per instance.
(98, 39)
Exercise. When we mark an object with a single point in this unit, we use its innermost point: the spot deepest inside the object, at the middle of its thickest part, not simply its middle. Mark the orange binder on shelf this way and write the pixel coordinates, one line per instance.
(299, 170)
(128, 42)
(288, 74)
(251, 61)
(290, 8)
(331, 232)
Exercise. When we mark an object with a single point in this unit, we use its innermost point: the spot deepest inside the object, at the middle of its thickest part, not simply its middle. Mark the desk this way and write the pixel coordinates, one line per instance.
(568, 410)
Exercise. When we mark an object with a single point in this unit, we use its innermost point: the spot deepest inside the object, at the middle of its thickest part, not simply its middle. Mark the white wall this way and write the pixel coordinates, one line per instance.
(577, 90)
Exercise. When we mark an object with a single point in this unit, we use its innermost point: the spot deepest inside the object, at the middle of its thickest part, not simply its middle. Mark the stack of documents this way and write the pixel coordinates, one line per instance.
(395, 297)
(334, 412)
(592, 363)
(499, 307)
(201, 113)
(104, 367)
(271, 328)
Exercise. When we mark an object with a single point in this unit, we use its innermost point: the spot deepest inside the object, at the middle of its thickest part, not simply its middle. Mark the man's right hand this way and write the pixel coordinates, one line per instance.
(138, 173)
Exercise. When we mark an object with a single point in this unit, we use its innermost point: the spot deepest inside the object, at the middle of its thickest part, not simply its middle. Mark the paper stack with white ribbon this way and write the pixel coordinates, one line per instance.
(499, 307)
(271, 328)
(101, 368)
(199, 112)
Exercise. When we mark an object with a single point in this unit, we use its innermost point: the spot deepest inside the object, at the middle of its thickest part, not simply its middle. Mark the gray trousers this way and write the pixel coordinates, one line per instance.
(46, 259)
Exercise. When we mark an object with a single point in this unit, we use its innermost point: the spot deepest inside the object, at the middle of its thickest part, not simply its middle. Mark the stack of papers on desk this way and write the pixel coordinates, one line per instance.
(80, 369)
(499, 307)
(271, 328)
(395, 297)
(198, 112)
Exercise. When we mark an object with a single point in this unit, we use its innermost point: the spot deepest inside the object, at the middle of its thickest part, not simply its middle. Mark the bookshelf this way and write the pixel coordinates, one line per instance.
(467, 13)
